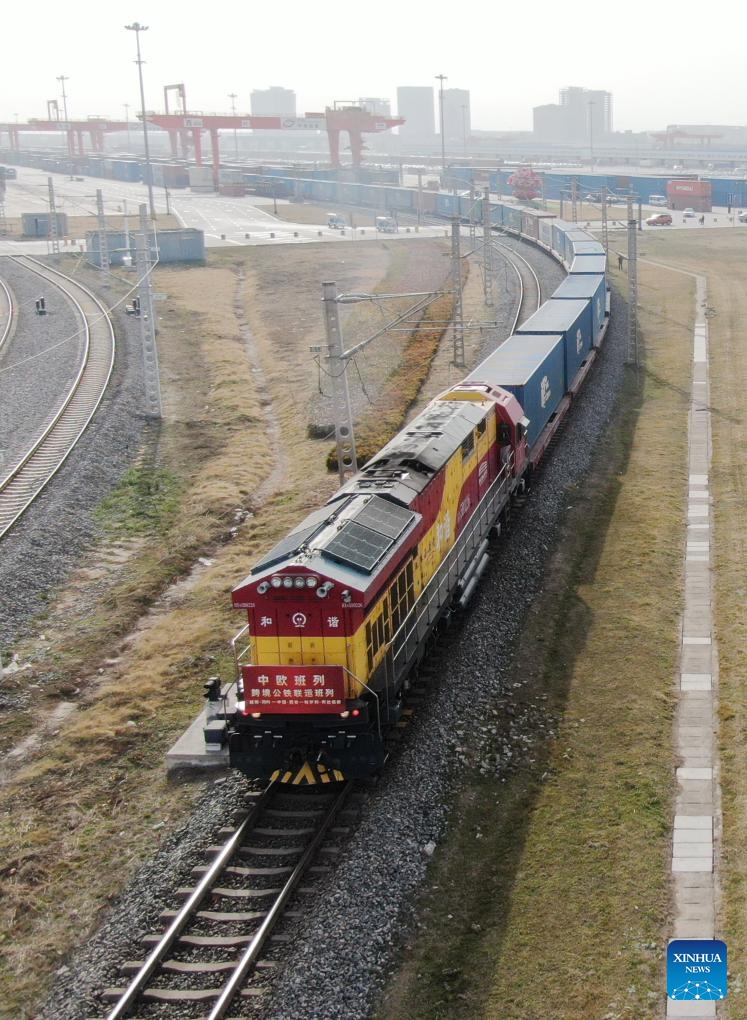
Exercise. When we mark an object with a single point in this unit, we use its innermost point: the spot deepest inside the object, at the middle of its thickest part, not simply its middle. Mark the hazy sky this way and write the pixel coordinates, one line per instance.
(663, 63)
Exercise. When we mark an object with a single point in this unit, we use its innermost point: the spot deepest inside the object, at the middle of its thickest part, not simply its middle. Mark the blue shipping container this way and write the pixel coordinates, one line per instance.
(589, 264)
(545, 231)
(559, 231)
(533, 369)
(575, 233)
(496, 213)
(586, 248)
(512, 217)
(572, 319)
(589, 288)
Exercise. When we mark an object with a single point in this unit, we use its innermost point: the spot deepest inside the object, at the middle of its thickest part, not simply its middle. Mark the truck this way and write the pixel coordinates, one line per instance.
(336, 222)
(386, 225)
(657, 200)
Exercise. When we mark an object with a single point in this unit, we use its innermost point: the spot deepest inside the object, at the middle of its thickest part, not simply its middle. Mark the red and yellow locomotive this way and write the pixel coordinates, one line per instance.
(340, 611)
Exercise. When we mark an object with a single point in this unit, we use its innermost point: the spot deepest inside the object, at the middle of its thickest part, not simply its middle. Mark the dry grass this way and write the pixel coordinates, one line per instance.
(561, 908)
(606, 651)
(723, 259)
(235, 369)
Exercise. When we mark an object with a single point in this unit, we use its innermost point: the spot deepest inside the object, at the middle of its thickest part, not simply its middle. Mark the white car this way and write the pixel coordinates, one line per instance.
(742, 217)
(688, 214)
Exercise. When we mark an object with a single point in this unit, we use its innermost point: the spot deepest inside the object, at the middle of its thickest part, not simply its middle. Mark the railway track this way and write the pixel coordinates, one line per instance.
(6, 313)
(530, 297)
(23, 483)
(210, 953)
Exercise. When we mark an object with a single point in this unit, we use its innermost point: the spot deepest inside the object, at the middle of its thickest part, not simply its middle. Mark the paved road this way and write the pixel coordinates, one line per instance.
(225, 221)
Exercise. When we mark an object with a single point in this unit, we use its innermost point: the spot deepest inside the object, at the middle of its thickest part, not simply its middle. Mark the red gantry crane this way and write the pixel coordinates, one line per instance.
(342, 116)
(94, 127)
(668, 138)
(356, 120)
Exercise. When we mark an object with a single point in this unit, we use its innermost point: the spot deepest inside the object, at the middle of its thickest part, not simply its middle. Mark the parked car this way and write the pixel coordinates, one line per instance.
(688, 214)
(386, 225)
(660, 219)
(742, 217)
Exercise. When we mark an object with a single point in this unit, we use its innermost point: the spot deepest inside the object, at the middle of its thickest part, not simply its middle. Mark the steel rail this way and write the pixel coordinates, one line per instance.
(8, 303)
(249, 958)
(507, 247)
(497, 245)
(46, 456)
(177, 926)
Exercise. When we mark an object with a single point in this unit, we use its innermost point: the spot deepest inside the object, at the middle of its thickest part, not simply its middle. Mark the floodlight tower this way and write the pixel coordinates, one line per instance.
(137, 28)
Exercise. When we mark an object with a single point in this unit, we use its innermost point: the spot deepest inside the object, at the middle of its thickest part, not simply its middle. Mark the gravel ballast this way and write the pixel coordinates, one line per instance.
(345, 948)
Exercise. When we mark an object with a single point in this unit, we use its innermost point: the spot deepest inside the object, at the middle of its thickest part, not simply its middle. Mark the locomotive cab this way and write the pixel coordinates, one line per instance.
(305, 687)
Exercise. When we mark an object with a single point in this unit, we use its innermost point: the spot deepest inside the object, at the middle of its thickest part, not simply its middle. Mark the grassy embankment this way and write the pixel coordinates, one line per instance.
(119, 673)
(560, 908)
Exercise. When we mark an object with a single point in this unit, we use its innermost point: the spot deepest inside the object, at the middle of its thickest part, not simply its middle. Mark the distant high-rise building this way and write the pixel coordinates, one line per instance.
(377, 107)
(582, 115)
(457, 120)
(415, 104)
(588, 106)
(273, 102)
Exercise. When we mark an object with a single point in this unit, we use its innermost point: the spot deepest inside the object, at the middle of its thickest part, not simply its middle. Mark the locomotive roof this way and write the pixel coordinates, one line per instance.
(350, 539)
(363, 526)
(427, 442)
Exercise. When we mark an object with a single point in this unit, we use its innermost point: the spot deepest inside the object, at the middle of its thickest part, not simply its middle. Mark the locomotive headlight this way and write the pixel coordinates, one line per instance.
(256, 715)
(311, 582)
(276, 582)
(287, 582)
(344, 715)
(299, 582)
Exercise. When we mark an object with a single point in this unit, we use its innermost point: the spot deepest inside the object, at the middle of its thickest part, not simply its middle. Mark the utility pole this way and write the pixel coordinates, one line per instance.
(591, 134)
(632, 289)
(574, 200)
(605, 236)
(338, 358)
(104, 263)
(487, 250)
(62, 78)
(442, 78)
(456, 274)
(472, 220)
(137, 28)
(54, 238)
(153, 406)
(233, 96)
(347, 462)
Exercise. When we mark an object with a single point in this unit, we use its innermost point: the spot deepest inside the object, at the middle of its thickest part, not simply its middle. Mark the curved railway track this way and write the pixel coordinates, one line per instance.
(530, 288)
(6, 313)
(209, 956)
(530, 298)
(20, 487)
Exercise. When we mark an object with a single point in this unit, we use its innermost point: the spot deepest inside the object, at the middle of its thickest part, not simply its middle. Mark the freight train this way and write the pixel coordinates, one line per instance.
(340, 612)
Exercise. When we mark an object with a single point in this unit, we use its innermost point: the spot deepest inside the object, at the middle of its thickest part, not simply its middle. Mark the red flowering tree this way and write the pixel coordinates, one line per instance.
(525, 183)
